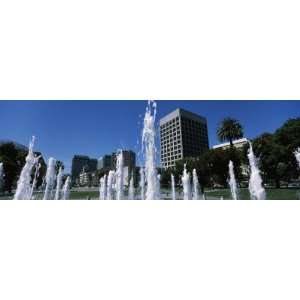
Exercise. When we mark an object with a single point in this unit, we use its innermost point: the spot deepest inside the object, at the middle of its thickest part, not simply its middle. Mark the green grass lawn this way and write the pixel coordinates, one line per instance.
(272, 194)
(77, 195)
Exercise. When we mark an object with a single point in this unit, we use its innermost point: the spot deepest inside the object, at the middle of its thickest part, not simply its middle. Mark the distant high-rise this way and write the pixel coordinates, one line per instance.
(93, 164)
(105, 162)
(128, 159)
(80, 163)
(182, 134)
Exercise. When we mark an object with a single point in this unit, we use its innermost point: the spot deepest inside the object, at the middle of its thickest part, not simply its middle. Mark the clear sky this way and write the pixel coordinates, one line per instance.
(95, 128)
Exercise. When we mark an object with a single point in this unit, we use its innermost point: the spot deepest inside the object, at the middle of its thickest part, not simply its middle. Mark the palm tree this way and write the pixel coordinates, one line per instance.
(229, 130)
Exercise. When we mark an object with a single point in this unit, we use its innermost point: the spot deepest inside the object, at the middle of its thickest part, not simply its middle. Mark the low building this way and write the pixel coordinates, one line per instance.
(85, 178)
(238, 144)
(94, 179)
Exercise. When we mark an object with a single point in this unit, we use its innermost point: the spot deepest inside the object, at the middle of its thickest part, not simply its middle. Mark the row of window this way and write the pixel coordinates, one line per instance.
(175, 140)
(169, 134)
(170, 148)
(170, 123)
(171, 159)
(169, 153)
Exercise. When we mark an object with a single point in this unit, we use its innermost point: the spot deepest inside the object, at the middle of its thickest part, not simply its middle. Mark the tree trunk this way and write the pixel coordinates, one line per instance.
(277, 183)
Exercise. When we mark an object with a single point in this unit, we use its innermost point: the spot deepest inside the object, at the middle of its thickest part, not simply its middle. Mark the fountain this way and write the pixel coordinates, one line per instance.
(142, 183)
(158, 187)
(131, 191)
(120, 177)
(111, 186)
(23, 191)
(58, 183)
(257, 191)
(50, 179)
(36, 175)
(196, 186)
(232, 181)
(186, 184)
(173, 187)
(102, 188)
(148, 142)
(1, 176)
(66, 189)
(110, 182)
(297, 155)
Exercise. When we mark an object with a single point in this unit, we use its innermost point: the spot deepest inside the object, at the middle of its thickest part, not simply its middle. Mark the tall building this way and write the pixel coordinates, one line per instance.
(80, 163)
(93, 162)
(105, 162)
(129, 159)
(182, 134)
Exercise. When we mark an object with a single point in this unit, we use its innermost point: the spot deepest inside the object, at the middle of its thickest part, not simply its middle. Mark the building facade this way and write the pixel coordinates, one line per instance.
(129, 159)
(238, 144)
(182, 134)
(84, 178)
(82, 163)
(93, 162)
(105, 162)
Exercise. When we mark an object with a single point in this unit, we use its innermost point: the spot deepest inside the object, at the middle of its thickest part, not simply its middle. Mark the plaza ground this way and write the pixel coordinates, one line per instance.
(272, 194)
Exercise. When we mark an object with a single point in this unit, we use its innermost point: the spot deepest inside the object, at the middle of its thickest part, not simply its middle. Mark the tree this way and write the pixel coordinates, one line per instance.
(165, 178)
(11, 165)
(288, 134)
(218, 161)
(276, 161)
(59, 164)
(13, 161)
(42, 169)
(211, 167)
(229, 130)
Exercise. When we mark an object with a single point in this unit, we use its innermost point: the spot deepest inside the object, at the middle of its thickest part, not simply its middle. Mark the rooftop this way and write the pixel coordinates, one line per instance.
(239, 141)
(183, 113)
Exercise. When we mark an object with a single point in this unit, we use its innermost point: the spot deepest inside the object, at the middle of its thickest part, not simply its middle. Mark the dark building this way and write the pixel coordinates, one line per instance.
(182, 134)
(105, 162)
(80, 163)
(93, 164)
(129, 159)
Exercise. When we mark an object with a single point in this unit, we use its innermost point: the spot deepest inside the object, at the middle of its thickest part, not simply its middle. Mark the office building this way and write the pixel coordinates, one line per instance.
(82, 163)
(129, 159)
(182, 134)
(105, 162)
(93, 162)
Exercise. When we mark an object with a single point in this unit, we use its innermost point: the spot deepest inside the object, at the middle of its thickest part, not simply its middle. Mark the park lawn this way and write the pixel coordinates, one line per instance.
(84, 195)
(272, 194)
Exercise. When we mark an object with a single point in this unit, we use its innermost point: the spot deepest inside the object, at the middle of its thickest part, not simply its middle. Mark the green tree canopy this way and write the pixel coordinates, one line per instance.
(276, 160)
(9, 156)
(229, 129)
(288, 134)
(13, 161)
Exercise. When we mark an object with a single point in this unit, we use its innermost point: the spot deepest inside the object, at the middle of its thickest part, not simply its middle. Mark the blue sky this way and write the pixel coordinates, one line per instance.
(94, 128)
